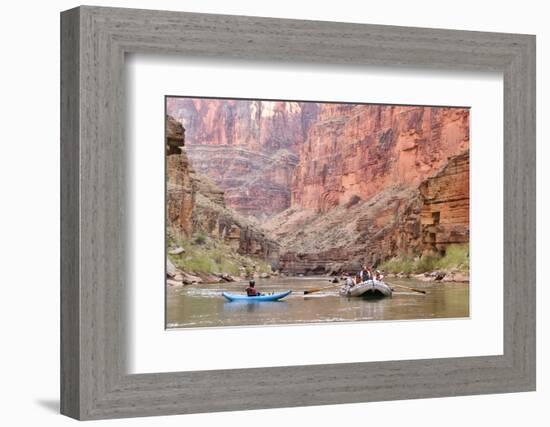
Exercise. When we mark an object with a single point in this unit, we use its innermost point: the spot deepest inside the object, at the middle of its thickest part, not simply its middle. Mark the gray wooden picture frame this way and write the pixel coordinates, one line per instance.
(94, 381)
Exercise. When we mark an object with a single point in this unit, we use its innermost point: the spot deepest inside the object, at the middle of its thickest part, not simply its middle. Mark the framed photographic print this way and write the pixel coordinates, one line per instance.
(305, 213)
(317, 207)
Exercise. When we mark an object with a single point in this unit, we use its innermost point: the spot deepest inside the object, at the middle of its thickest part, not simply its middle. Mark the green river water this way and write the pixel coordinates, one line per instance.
(196, 306)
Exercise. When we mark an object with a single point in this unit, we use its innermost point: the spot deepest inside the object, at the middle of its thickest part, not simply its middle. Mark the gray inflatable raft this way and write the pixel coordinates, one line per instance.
(369, 288)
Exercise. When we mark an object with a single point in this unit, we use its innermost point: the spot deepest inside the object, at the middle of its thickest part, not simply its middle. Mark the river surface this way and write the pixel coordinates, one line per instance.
(203, 305)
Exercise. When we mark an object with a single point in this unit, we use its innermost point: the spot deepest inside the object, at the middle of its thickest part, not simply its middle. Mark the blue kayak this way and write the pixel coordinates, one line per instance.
(272, 297)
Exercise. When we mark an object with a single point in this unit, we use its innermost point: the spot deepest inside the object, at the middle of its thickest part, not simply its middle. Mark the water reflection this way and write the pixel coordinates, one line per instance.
(249, 307)
(203, 306)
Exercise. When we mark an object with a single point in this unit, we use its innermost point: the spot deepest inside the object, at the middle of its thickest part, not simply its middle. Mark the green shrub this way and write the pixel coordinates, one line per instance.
(399, 264)
(427, 262)
(204, 254)
(456, 257)
(199, 264)
(200, 239)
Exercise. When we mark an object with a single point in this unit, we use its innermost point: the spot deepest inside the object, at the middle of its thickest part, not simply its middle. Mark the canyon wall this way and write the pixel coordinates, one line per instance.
(374, 182)
(194, 204)
(398, 220)
(180, 188)
(330, 186)
(249, 148)
(360, 150)
(445, 215)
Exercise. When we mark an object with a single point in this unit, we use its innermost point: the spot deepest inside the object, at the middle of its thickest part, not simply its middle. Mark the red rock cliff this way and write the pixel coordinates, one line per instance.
(398, 220)
(374, 182)
(360, 150)
(249, 148)
(195, 204)
(180, 188)
(341, 184)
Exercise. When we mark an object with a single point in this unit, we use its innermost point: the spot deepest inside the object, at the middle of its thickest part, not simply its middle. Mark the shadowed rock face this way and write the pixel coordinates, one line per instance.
(195, 204)
(445, 214)
(180, 194)
(248, 148)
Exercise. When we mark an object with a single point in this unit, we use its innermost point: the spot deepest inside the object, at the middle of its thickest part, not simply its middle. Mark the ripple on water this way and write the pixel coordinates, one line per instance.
(196, 306)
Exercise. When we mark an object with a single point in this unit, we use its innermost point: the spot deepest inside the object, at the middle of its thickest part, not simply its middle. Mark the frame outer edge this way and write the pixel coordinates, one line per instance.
(520, 215)
(70, 396)
(89, 390)
(526, 77)
(532, 138)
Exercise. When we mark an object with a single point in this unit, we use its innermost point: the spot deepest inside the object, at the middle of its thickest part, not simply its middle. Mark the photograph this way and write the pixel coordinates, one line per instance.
(304, 212)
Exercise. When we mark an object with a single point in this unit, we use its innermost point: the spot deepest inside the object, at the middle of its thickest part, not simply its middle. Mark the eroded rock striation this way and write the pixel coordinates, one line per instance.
(319, 188)
(445, 214)
(374, 182)
(399, 220)
(180, 187)
(195, 204)
(248, 148)
(360, 150)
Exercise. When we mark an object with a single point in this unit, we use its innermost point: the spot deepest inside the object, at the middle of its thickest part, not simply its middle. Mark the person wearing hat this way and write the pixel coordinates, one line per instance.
(251, 290)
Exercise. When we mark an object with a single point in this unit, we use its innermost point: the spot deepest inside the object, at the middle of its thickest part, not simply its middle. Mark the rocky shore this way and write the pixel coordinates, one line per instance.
(435, 276)
(176, 277)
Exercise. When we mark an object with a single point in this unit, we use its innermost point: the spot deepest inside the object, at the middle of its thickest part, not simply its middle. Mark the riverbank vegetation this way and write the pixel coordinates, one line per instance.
(205, 254)
(457, 257)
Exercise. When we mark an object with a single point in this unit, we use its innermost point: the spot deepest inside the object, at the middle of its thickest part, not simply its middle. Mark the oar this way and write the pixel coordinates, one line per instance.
(310, 291)
(406, 287)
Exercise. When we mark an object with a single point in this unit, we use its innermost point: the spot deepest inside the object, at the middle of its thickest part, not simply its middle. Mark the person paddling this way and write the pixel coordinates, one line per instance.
(251, 290)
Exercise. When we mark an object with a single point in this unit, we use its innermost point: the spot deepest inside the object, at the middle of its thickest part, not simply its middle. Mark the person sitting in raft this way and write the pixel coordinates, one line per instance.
(251, 290)
(378, 276)
(370, 273)
(365, 274)
(348, 283)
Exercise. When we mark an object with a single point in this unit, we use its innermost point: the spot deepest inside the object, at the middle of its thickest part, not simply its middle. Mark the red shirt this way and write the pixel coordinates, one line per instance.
(251, 292)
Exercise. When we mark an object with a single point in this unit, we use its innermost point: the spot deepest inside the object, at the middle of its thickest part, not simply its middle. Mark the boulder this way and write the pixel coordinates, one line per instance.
(172, 282)
(423, 277)
(439, 275)
(461, 277)
(456, 276)
(171, 269)
(209, 278)
(189, 279)
(176, 251)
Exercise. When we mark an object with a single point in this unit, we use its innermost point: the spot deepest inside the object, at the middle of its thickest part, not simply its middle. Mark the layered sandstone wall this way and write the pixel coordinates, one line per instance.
(195, 204)
(360, 150)
(397, 221)
(249, 148)
(333, 185)
(180, 187)
(212, 217)
(445, 214)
